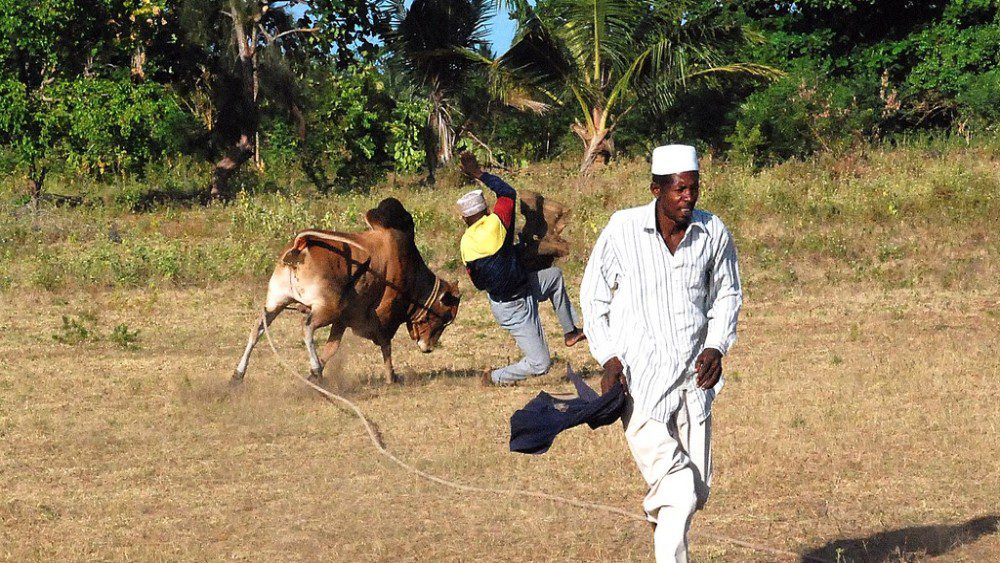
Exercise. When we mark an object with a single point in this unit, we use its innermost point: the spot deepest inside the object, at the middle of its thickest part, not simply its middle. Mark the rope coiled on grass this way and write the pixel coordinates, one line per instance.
(379, 444)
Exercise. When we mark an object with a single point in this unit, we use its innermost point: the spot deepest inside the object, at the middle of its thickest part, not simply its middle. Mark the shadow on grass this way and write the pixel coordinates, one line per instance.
(155, 198)
(411, 377)
(414, 377)
(906, 544)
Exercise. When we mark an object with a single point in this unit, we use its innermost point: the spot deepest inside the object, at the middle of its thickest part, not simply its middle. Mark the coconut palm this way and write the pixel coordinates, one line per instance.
(608, 56)
(430, 43)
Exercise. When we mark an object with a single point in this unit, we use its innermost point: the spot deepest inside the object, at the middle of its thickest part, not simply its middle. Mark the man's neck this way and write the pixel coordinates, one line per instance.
(668, 227)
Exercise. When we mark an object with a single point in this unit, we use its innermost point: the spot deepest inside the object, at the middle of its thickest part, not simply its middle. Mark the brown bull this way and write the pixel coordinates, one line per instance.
(371, 282)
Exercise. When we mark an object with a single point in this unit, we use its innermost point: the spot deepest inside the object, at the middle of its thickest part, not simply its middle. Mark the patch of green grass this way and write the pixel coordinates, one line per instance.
(75, 330)
(125, 339)
(855, 333)
(823, 220)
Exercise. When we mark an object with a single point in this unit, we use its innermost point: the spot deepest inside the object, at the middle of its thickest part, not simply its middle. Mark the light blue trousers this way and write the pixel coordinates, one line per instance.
(520, 317)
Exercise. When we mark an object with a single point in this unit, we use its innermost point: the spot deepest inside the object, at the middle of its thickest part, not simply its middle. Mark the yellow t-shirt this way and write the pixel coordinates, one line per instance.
(483, 238)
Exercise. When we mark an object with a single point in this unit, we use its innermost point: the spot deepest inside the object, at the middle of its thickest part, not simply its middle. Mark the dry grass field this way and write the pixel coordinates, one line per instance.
(859, 421)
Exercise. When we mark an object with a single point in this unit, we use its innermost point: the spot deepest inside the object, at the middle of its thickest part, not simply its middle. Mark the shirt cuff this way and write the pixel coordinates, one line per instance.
(718, 346)
(603, 356)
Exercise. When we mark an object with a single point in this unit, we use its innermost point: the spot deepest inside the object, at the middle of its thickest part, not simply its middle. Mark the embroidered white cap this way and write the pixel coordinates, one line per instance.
(674, 159)
(471, 203)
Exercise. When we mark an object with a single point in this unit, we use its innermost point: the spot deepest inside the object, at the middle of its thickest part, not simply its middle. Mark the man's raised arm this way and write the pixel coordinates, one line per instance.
(506, 195)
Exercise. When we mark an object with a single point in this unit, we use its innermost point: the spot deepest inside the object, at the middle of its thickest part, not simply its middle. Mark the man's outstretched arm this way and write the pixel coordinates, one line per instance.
(506, 195)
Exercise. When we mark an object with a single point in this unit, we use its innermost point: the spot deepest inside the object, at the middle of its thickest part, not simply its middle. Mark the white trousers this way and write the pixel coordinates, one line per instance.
(675, 459)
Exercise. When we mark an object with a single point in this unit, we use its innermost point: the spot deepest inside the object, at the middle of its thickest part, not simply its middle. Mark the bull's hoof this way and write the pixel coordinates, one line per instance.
(236, 379)
(316, 377)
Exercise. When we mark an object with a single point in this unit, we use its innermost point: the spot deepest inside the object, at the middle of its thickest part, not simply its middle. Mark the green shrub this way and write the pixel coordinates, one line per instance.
(979, 102)
(799, 114)
(409, 118)
(102, 126)
(75, 330)
(125, 339)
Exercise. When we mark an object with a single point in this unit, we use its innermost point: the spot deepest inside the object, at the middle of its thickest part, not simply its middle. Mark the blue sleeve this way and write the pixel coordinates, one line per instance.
(499, 187)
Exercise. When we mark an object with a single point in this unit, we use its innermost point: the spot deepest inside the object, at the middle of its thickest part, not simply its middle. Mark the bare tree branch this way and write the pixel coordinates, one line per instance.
(268, 38)
(290, 31)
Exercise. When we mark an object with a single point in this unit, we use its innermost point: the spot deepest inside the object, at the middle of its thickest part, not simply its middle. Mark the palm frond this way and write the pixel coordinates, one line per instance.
(746, 69)
(690, 46)
(506, 87)
(427, 38)
(596, 33)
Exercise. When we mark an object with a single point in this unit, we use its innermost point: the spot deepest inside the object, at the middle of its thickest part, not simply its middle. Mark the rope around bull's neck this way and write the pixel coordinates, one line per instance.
(426, 307)
(379, 444)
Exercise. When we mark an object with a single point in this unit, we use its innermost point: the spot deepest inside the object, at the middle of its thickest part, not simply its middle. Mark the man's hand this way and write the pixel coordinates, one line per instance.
(709, 367)
(614, 372)
(470, 166)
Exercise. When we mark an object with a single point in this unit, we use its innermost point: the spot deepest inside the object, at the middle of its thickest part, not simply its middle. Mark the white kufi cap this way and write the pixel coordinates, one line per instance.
(471, 203)
(674, 159)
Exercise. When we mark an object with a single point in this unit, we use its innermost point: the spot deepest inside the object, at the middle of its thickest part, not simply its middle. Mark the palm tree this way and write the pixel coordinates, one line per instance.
(608, 56)
(430, 42)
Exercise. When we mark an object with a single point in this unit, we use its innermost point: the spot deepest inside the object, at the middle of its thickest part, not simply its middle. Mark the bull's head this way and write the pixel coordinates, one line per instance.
(426, 327)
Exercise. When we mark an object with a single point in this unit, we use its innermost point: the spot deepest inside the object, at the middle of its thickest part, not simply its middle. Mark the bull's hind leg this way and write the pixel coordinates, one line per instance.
(315, 366)
(329, 349)
(256, 330)
(321, 315)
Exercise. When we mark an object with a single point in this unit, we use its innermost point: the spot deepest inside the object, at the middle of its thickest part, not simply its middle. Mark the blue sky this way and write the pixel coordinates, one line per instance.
(501, 32)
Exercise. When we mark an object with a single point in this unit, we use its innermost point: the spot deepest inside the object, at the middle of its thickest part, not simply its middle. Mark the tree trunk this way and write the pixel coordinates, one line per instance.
(139, 64)
(36, 183)
(440, 140)
(256, 134)
(243, 148)
(230, 164)
(597, 146)
(597, 141)
(430, 154)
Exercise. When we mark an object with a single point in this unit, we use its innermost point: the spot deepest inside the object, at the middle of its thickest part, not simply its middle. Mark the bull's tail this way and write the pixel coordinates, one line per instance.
(294, 255)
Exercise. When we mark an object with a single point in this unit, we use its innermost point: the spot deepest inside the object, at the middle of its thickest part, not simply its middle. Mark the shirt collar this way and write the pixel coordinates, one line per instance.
(649, 219)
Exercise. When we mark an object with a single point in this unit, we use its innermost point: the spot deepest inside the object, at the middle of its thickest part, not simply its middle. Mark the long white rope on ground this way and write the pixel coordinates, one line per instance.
(376, 440)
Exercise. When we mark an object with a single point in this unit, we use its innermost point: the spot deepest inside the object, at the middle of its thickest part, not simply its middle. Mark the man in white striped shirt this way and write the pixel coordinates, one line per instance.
(660, 297)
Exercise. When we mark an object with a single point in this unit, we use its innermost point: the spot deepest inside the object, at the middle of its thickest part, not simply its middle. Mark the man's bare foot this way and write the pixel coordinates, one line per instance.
(572, 338)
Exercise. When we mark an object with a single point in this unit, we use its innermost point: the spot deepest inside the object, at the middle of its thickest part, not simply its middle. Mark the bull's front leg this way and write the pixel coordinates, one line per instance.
(390, 374)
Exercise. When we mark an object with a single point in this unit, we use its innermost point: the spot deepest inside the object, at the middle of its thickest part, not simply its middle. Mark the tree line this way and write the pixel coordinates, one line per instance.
(348, 90)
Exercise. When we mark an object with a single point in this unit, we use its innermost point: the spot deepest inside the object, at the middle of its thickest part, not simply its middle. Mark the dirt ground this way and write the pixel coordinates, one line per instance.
(856, 423)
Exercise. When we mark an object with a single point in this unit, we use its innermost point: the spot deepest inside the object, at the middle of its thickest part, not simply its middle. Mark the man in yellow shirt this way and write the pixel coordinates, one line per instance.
(492, 260)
